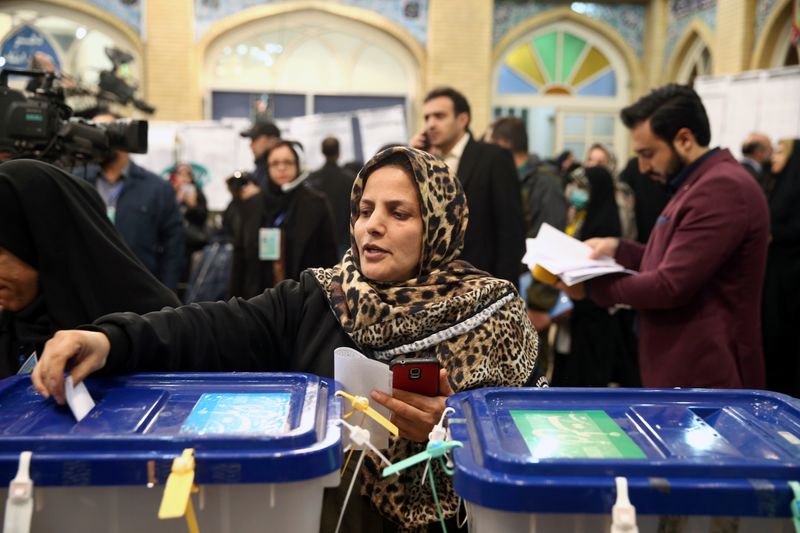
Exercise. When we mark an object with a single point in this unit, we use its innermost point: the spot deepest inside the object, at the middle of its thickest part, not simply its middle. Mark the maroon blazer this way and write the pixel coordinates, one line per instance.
(698, 290)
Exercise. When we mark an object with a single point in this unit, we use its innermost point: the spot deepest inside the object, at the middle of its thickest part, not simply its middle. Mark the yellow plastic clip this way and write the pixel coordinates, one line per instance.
(360, 403)
(542, 274)
(177, 499)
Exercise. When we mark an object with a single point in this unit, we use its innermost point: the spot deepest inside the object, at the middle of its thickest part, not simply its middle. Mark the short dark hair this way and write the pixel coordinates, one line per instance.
(670, 108)
(330, 147)
(751, 148)
(513, 130)
(460, 104)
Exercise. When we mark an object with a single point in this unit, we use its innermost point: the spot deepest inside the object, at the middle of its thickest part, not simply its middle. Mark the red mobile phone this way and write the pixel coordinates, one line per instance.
(416, 375)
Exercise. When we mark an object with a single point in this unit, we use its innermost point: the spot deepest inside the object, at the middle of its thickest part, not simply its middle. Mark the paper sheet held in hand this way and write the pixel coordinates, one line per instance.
(567, 257)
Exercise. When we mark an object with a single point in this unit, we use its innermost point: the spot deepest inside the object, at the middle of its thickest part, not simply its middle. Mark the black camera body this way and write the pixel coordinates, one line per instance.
(38, 125)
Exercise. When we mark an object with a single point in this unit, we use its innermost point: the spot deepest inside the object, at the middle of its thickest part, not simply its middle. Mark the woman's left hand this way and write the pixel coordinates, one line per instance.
(415, 414)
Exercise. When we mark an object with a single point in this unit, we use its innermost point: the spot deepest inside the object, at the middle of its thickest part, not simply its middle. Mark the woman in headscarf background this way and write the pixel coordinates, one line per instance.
(283, 230)
(596, 348)
(62, 263)
(194, 211)
(398, 292)
(780, 311)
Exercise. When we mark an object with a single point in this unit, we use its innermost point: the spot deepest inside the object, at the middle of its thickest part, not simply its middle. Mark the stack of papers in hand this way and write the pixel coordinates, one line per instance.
(567, 257)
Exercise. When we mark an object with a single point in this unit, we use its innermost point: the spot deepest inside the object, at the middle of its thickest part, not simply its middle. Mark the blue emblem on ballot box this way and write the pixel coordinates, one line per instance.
(253, 414)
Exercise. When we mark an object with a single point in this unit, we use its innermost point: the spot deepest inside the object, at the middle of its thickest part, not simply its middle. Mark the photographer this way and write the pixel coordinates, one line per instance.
(61, 261)
(142, 207)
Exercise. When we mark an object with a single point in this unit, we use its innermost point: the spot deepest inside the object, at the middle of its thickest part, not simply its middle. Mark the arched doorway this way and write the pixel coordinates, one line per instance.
(785, 54)
(774, 47)
(692, 56)
(568, 82)
(76, 38)
(696, 62)
(307, 61)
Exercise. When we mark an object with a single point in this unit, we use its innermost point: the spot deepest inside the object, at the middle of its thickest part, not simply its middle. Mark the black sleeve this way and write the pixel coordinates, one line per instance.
(252, 335)
(325, 238)
(509, 225)
(170, 237)
(198, 214)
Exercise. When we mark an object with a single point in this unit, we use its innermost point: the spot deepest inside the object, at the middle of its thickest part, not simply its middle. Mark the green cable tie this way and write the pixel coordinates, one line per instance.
(436, 500)
(795, 505)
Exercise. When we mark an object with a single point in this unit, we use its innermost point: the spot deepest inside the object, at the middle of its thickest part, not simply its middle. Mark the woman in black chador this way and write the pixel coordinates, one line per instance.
(780, 312)
(62, 263)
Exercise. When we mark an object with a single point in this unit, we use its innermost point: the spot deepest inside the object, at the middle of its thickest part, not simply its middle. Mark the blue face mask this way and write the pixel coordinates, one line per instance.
(579, 198)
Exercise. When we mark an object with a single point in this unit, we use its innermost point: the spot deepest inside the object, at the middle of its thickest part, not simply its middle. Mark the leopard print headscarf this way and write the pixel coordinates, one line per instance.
(475, 325)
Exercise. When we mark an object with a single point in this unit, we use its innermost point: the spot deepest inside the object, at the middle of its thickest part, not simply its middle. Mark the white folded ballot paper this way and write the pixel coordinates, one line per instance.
(359, 376)
(567, 257)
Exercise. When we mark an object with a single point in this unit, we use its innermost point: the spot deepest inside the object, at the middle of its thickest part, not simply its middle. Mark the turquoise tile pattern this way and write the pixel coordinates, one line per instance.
(626, 19)
(681, 14)
(129, 14)
(409, 14)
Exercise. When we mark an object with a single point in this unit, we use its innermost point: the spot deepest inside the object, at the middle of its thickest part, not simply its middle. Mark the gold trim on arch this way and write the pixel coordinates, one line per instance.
(251, 14)
(95, 12)
(564, 13)
(768, 39)
(697, 29)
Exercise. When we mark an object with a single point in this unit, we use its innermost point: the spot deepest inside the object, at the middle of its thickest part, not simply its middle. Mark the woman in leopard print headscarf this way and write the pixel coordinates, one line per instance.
(475, 325)
(399, 291)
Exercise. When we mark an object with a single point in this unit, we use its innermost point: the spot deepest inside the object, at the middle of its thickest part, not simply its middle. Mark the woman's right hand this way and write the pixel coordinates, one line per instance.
(83, 352)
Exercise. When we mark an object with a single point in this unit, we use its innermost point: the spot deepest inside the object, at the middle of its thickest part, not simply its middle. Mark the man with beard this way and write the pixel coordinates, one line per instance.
(698, 286)
(142, 207)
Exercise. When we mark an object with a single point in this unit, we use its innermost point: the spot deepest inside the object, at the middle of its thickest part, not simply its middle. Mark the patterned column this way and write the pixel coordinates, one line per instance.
(655, 38)
(170, 60)
(460, 52)
(736, 22)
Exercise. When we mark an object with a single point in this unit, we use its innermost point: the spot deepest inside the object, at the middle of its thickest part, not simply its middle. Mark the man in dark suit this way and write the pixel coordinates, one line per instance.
(698, 286)
(336, 183)
(495, 239)
(757, 154)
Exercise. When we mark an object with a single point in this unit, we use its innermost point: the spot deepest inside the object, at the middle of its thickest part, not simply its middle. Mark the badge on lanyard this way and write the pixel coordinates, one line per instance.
(269, 244)
(111, 212)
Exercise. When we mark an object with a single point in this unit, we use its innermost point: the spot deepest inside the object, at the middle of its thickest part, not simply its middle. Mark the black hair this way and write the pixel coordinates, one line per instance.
(562, 157)
(330, 147)
(751, 148)
(511, 129)
(670, 108)
(460, 104)
(399, 160)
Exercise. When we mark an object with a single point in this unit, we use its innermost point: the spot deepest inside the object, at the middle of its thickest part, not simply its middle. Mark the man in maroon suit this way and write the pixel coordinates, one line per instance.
(698, 290)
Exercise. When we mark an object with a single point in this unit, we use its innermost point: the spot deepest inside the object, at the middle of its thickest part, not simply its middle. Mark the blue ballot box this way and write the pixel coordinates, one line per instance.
(695, 460)
(265, 446)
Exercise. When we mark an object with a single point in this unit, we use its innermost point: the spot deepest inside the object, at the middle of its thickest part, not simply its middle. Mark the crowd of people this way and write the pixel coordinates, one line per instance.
(419, 254)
